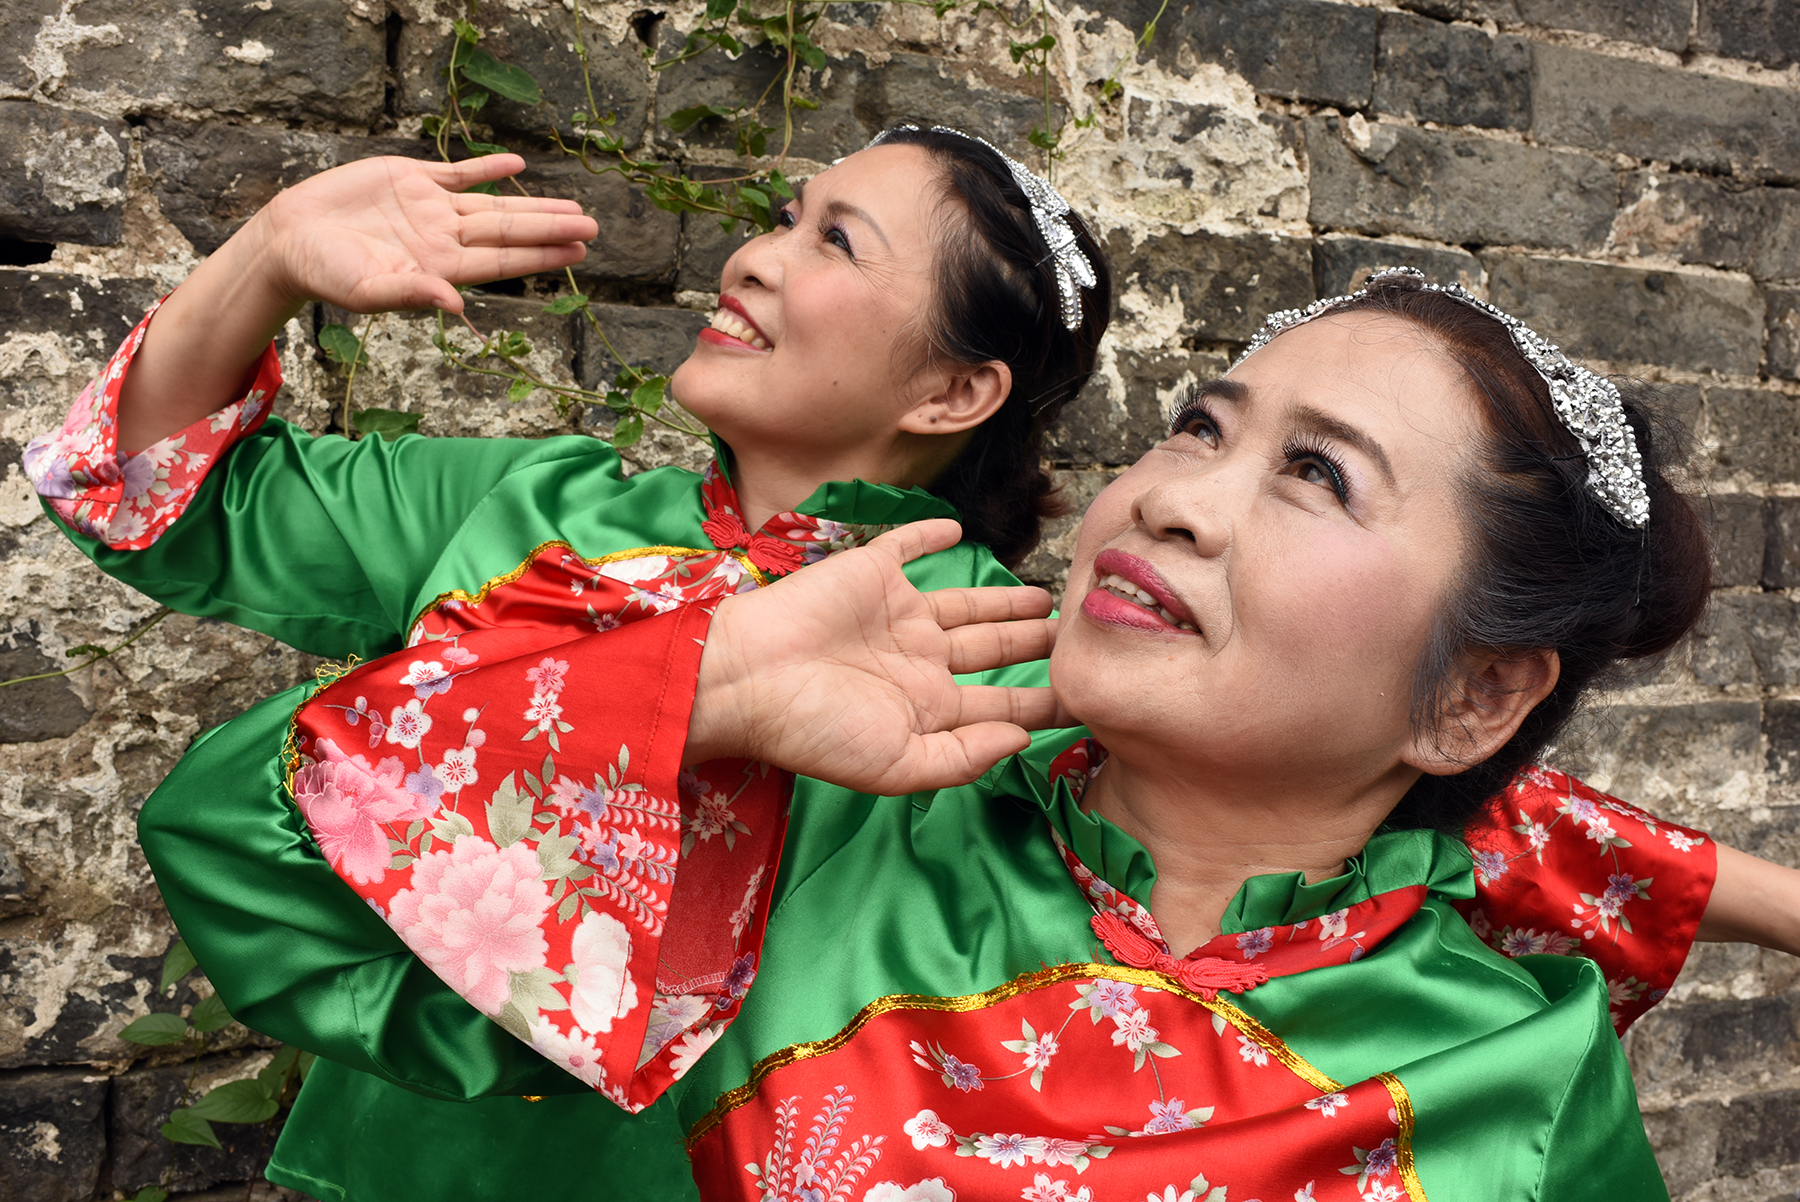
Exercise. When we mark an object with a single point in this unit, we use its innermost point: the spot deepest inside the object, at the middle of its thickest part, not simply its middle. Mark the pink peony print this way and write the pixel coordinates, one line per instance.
(576, 1052)
(603, 990)
(347, 801)
(473, 914)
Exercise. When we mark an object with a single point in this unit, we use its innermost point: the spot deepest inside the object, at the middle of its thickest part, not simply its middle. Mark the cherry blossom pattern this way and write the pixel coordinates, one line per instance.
(793, 1170)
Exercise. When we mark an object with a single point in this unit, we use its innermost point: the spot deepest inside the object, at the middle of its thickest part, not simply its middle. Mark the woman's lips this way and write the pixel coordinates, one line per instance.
(731, 326)
(1110, 609)
(1136, 583)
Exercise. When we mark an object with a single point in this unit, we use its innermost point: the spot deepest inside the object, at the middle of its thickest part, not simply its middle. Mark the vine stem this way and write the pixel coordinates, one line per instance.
(362, 345)
(161, 613)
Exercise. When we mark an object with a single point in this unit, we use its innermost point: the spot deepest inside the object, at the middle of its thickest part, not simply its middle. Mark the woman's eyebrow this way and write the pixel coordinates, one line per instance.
(1315, 421)
(838, 209)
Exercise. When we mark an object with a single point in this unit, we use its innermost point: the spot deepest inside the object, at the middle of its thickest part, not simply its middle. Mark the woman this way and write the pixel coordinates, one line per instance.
(761, 451)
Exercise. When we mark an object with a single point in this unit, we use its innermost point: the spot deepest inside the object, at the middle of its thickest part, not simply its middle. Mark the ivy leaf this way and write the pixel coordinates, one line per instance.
(340, 344)
(628, 431)
(278, 1067)
(648, 396)
(247, 1101)
(488, 188)
(509, 81)
(155, 1030)
(151, 1193)
(465, 32)
(176, 965)
(186, 1127)
(778, 183)
(1020, 49)
(480, 149)
(718, 10)
(519, 389)
(810, 54)
(304, 1064)
(682, 120)
(209, 1014)
(389, 423)
(574, 302)
(85, 649)
(473, 101)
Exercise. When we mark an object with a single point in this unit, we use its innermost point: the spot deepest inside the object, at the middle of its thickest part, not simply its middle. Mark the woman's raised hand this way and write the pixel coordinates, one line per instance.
(369, 236)
(844, 672)
(394, 233)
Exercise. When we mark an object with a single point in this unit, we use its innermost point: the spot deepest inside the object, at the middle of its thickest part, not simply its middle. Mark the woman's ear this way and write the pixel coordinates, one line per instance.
(1495, 694)
(962, 399)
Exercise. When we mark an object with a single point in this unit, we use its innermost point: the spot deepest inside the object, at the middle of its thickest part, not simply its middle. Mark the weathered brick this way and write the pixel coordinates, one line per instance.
(1341, 262)
(1753, 434)
(52, 1135)
(141, 1102)
(1782, 355)
(705, 247)
(1675, 756)
(1781, 554)
(540, 42)
(1763, 1132)
(657, 339)
(1720, 654)
(1764, 31)
(1631, 315)
(1661, 23)
(927, 89)
(828, 132)
(298, 60)
(1227, 282)
(1772, 627)
(1298, 49)
(1718, 222)
(1735, 521)
(1695, 121)
(1048, 565)
(1103, 428)
(1452, 74)
(40, 709)
(1781, 731)
(66, 176)
(1764, 1032)
(209, 179)
(1686, 1139)
(637, 240)
(90, 316)
(1455, 188)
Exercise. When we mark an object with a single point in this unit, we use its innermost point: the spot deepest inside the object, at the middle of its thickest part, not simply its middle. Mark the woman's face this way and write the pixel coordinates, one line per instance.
(805, 350)
(1250, 599)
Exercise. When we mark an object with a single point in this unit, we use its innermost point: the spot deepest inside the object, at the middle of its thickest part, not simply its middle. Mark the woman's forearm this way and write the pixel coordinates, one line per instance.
(1753, 901)
(205, 340)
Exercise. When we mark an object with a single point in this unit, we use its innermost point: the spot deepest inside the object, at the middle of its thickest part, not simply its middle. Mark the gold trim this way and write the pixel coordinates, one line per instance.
(480, 594)
(1054, 975)
(1403, 1108)
(324, 676)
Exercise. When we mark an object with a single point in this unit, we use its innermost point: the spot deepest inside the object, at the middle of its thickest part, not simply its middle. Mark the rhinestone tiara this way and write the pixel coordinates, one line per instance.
(1051, 213)
(1588, 404)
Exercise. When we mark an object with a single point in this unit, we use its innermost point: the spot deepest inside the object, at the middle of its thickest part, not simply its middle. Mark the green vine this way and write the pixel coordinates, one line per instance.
(93, 651)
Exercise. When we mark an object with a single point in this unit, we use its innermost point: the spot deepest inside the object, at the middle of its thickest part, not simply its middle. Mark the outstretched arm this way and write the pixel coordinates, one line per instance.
(1753, 901)
(375, 235)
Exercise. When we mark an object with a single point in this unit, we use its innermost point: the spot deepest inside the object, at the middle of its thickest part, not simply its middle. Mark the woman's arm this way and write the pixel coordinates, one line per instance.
(371, 236)
(1753, 901)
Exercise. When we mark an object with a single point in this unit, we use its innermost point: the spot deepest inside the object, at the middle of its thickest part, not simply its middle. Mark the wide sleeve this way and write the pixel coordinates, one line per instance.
(1561, 868)
(321, 542)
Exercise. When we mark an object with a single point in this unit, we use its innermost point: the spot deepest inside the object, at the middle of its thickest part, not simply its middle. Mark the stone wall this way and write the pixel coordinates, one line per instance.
(1619, 172)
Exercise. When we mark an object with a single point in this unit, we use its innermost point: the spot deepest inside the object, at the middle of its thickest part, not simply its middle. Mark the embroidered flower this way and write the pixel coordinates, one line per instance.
(682, 1010)
(1601, 831)
(962, 1074)
(1168, 1117)
(1383, 1158)
(547, 676)
(347, 802)
(461, 658)
(1057, 1152)
(1490, 866)
(602, 989)
(737, 979)
(1112, 998)
(424, 784)
(1251, 1052)
(1330, 1104)
(1134, 1029)
(740, 917)
(693, 1045)
(932, 1190)
(1523, 942)
(1333, 925)
(458, 768)
(575, 1052)
(543, 710)
(566, 793)
(1538, 835)
(927, 1130)
(1039, 1051)
(1681, 841)
(1254, 943)
(408, 724)
(473, 914)
(1044, 1189)
(427, 678)
(1584, 809)
(1004, 1150)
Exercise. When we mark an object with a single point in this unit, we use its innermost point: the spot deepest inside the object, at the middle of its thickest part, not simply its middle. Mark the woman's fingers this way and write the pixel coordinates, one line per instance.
(987, 645)
(468, 203)
(482, 170)
(955, 757)
(526, 228)
(1027, 708)
(953, 607)
(479, 264)
(916, 539)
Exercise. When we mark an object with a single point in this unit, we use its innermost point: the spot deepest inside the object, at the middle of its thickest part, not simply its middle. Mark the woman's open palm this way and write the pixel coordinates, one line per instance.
(844, 672)
(393, 233)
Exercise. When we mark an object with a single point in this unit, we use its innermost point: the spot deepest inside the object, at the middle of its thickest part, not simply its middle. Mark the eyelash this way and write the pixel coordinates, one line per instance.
(1298, 448)
(787, 219)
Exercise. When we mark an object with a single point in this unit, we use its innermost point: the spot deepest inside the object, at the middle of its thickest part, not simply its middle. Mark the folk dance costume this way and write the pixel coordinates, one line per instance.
(472, 866)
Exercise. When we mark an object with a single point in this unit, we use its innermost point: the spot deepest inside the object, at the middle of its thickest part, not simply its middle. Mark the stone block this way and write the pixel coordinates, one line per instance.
(1753, 435)
(658, 340)
(39, 709)
(1390, 179)
(1103, 427)
(705, 246)
(1762, 1132)
(1693, 121)
(1296, 49)
(1772, 628)
(1781, 554)
(141, 1103)
(1718, 222)
(1048, 565)
(540, 41)
(637, 240)
(1782, 354)
(1633, 315)
(65, 324)
(1754, 1033)
(929, 89)
(1763, 31)
(210, 179)
(1208, 164)
(297, 60)
(1662, 23)
(66, 179)
(836, 128)
(1735, 522)
(1781, 731)
(1720, 654)
(1452, 74)
(1681, 757)
(52, 1135)
(1227, 283)
(1341, 262)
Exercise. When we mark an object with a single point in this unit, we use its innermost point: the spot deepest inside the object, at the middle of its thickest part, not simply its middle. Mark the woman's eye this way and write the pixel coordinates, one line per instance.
(1316, 468)
(835, 236)
(785, 219)
(1198, 422)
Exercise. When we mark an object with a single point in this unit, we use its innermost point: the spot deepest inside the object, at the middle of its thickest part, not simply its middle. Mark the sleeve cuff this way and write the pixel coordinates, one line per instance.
(127, 501)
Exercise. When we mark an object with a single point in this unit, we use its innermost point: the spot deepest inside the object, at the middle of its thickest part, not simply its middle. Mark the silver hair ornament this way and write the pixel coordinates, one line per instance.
(1051, 213)
(1588, 404)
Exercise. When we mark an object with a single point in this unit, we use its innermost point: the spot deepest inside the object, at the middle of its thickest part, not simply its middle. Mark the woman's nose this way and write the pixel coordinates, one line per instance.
(1190, 510)
(756, 262)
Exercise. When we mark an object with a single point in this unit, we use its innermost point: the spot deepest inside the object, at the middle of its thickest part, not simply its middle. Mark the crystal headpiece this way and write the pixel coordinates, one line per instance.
(1051, 213)
(1588, 404)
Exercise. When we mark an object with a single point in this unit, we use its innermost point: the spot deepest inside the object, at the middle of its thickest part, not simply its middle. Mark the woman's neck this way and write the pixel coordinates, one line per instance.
(772, 480)
(1206, 843)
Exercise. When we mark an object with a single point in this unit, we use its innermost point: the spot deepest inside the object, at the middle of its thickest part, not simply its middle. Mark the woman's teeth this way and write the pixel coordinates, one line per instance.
(727, 322)
(1121, 587)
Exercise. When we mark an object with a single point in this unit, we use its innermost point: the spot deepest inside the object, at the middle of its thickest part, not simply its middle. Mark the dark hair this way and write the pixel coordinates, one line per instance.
(1546, 566)
(996, 298)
